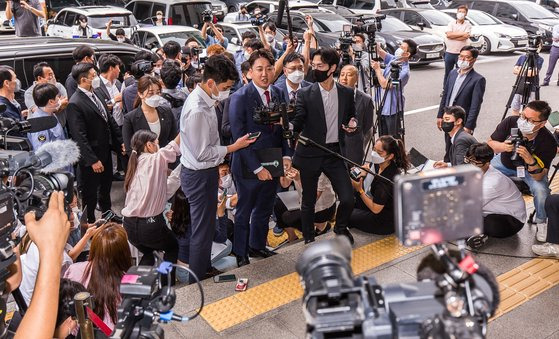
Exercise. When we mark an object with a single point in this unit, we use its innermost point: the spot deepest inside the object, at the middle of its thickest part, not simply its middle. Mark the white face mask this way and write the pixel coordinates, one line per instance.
(247, 55)
(525, 126)
(463, 64)
(270, 37)
(460, 16)
(119, 39)
(18, 86)
(159, 17)
(153, 101)
(55, 107)
(398, 53)
(83, 24)
(226, 181)
(296, 77)
(376, 158)
(157, 70)
(223, 95)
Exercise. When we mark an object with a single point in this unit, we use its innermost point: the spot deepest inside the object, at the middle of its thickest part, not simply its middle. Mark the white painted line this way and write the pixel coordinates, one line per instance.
(419, 110)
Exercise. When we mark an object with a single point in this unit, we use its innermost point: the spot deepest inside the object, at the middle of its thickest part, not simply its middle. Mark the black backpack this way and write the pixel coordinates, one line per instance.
(175, 102)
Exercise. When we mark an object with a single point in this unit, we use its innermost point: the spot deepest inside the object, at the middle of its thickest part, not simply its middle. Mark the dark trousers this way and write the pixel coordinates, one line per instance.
(200, 188)
(553, 57)
(152, 234)
(96, 187)
(293, 218)
(450, 60)
(552, 210)
(390, 125)
(365, 220)
(336, 171)
(254, 208)
(501, 225)
(447, 146)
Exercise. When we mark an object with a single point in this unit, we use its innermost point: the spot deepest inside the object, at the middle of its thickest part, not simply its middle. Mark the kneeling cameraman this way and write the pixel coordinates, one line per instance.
(527, 155)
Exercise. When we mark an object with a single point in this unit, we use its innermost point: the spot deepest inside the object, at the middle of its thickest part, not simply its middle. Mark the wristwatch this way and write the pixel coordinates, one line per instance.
(533, 164)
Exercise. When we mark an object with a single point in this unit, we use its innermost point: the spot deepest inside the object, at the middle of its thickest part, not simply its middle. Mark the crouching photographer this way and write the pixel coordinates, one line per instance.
(526, 150)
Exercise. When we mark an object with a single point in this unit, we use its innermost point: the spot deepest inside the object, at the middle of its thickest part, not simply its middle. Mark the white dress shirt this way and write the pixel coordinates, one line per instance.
(555, 35)
(262, 95)
(289, 89)
(96, 101)
(501, 196)
(117, 106)
(199, 131)
(330, 102)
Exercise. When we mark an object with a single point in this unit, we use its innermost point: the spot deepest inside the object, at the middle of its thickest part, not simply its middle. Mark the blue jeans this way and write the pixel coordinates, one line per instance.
(450, 60)
(539, 188)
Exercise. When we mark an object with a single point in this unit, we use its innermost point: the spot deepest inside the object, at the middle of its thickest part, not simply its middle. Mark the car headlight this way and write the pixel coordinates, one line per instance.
(545, 27)
(503, 36)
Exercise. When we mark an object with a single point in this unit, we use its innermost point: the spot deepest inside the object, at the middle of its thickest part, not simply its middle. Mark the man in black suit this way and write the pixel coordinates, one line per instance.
(453, 125)
(96, 133)
(464, 87)
(324, 112)
(293, 74)
(364, 113)
(80, 54)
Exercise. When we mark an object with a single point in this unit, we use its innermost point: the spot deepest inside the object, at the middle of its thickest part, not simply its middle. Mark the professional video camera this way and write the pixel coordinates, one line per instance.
(269, 115)
(369, 25)
(534, 42)
(207, 15)
(455, 302)
(140, 68)
(259, 20)
(517, 139)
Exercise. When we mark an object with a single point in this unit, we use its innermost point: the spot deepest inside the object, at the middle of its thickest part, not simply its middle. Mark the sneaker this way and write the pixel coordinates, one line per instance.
(541, 233)
(278, 231)
(477, 241)
(545, 84)
(220, 250)
(546, 250)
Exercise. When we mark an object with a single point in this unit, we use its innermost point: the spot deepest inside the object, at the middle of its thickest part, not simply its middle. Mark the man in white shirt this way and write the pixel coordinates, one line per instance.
(553, 56)
(457, 36)
(504, 211)
(201, 155)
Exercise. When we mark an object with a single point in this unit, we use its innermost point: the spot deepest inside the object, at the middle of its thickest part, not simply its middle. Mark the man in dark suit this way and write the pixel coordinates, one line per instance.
(80, 54)
(292, 79)
(464, 87)
(453, 125)
(364, 113)
(96, 133)
(324, 112)
(256, 188)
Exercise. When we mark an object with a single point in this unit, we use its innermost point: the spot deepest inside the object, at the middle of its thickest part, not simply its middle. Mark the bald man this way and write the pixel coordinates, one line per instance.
(364, 113)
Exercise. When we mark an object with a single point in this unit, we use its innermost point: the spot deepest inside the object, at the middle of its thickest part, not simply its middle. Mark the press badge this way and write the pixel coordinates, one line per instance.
(520, 172)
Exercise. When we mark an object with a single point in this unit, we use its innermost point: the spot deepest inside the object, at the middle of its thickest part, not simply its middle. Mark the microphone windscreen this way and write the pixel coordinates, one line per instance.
(42, 123)
(281, 9)
(63, 153)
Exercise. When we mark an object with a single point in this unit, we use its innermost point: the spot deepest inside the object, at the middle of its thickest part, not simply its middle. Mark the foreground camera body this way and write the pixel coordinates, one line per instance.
(207, 15)
(259, 20)
(269, 115)
(517, 139)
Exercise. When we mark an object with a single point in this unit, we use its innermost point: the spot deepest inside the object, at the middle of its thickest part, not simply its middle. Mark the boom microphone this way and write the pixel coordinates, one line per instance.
(56, 155)
(281, 8)
(28, 126)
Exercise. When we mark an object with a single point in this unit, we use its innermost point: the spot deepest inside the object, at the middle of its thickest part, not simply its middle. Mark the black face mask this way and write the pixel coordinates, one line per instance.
(447, 126)
(319, 76)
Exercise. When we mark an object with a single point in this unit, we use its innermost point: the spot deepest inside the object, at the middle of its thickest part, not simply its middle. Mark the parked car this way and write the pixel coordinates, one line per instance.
(219, 9)
(430, 47)
(552, 5)
(429, 20)
(176, 12)
(156, 36)
(233, 32)
(5, 25)
(367, 6)
(496, 36)
(23, 54)
(54, 6)
(97, 18)
(525, 14)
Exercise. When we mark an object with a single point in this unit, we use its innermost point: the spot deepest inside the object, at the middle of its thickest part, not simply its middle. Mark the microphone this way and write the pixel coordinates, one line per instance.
(303, 140)
(28, 126)
(281, 9)
(55, 155)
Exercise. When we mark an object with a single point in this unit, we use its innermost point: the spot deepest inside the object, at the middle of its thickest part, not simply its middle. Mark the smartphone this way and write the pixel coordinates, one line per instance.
(254, 135)
(224, 278)
(242, 285)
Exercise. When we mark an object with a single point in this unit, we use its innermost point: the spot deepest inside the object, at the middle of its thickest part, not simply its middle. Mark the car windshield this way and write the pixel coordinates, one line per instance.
(533, 11)
(189, 14)
(100, 21)
(436, 17)
(248, 29)
(181, 37)
(392, 24)
(2, 6)
(330, 23)
(118, 3)
(482, 18)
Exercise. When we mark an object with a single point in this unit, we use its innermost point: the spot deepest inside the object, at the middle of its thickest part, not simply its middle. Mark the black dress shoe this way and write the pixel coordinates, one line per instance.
(345, 231)
(324, 231)
(308, 241)
(118, 177)
(242, 261)
(212, 272)
(263, 253)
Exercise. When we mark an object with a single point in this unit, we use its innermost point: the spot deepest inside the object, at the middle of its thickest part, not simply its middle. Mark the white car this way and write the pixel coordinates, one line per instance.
(269, 6)
(233, 32)
(5, 25)
(97, 18)
(496, 36)
(151, 37)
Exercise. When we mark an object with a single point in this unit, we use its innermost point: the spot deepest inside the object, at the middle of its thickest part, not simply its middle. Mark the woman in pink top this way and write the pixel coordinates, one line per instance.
(109, 259)
(148, 188)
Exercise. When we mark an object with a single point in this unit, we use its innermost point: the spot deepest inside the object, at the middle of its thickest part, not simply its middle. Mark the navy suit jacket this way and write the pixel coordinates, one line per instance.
(469, 97)
(280, 83)
(241, 109)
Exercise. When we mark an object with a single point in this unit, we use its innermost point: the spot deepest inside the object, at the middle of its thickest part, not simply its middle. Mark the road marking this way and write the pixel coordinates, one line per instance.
(419, 110)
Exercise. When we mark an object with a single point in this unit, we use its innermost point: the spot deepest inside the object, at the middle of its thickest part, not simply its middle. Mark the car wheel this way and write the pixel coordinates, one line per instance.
(485, 48)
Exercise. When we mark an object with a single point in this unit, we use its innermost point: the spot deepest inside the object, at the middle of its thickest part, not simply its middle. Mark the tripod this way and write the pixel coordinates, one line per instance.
(527, 79)
(397, 128)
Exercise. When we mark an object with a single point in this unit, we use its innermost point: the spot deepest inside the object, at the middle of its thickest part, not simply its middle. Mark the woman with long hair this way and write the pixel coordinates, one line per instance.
(149, 114)
(148, 188)
(109, 259)
(374, 208)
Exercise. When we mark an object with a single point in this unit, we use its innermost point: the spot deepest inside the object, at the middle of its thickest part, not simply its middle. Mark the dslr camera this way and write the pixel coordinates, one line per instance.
(517, 140)
(259, 20)
(207, 15)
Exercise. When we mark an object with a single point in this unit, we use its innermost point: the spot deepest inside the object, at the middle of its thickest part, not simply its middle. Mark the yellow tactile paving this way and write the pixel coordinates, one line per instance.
(526, 282)
(233, 310)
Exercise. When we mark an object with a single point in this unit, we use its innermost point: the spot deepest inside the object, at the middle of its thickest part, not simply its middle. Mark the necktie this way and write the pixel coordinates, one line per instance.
(99, 105)
(267, 95)
(293, 96)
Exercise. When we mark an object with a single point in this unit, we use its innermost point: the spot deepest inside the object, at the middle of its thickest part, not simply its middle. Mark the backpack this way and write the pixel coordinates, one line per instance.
(175, 102)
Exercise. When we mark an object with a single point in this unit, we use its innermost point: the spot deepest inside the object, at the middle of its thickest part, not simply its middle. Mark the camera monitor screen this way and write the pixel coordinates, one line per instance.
(440, 205)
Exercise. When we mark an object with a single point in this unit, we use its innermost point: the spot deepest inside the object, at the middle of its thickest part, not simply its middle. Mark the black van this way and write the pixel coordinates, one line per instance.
(525, 14)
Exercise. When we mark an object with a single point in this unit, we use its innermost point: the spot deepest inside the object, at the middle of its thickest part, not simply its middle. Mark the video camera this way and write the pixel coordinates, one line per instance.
(259, 20)
(455, 302)
(534, 42)
(207, 15)
(269, 115)
(140, 68)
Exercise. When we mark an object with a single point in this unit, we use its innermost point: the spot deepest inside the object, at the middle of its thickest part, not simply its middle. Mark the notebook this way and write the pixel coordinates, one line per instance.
(290, 199)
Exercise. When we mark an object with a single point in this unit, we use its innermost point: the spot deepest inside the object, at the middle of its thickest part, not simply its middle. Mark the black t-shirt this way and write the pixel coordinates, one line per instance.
(382, 192)
(543, 146)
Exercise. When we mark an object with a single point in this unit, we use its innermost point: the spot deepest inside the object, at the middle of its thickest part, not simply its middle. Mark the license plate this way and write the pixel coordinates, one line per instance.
(522, 42)
(432, 55)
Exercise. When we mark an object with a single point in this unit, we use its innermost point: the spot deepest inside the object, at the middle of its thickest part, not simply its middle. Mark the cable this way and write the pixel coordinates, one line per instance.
(199, 287)
(504, 255)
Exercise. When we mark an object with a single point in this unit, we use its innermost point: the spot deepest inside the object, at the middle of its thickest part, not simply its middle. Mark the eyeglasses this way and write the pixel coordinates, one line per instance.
(473, 162)
(523, 116)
